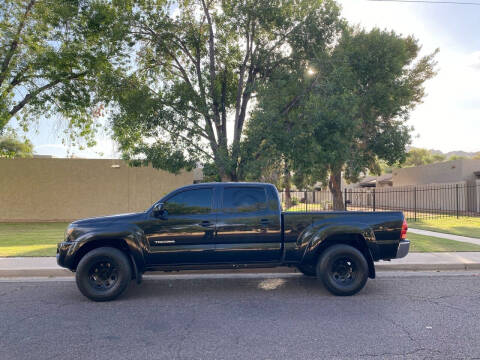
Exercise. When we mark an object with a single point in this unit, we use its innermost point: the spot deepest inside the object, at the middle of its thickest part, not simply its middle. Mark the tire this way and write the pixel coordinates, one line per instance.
(307, 270)
(343, 270)
(103, 274)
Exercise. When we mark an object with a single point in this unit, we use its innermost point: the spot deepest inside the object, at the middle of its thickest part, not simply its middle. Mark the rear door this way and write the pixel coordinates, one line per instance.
(248, 226)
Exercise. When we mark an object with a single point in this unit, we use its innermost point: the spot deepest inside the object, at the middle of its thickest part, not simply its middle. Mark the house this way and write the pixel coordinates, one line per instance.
(384, 180)
(454, 171)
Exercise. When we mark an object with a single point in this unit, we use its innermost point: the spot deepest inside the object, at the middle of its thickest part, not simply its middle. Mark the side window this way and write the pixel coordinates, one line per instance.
(198, 201)
(244, 199)
(272, 198)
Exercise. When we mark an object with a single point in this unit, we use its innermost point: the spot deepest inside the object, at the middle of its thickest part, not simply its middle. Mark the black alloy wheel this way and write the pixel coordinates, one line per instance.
(343, 269)
(103, 274)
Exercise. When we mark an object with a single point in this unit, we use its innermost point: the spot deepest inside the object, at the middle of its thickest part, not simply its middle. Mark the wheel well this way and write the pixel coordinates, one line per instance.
(355, 240)
(115, 243)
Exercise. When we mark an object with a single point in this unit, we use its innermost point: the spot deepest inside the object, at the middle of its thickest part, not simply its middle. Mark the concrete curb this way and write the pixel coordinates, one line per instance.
(6, 273)
(59, 272)
(427, 267)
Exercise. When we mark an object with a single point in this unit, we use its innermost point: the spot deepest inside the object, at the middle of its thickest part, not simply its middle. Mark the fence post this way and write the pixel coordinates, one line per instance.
(345, 200)
(306, 201)
(415, 201)
(373, 199)
(456, 187)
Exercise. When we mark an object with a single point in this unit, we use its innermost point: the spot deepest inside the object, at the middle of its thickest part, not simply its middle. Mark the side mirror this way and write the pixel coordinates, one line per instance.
(159, 210)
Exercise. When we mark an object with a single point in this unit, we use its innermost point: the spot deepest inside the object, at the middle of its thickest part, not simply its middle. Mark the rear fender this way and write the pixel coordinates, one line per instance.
(316, 238)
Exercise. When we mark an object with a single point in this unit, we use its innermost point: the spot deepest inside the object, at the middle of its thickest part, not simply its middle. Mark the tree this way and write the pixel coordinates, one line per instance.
(456, 157)
(352, 111)
(10, 147)
(419, 156)
(198, 67)
(52, 54)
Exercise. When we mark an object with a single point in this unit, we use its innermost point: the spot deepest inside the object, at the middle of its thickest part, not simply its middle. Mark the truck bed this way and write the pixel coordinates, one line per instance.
(380, 229)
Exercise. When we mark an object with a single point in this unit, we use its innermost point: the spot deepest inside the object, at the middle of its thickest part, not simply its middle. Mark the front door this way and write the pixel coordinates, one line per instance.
(248, 229)
(184, 234)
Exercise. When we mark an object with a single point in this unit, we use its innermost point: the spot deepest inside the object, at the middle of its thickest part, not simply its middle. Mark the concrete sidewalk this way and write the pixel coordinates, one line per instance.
(465, 239)
(47, 266)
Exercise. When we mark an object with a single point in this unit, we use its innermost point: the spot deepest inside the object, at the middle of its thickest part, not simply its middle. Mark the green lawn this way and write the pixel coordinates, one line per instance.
(40, 239)
(422, 243)
(464, 226)
(30, 239)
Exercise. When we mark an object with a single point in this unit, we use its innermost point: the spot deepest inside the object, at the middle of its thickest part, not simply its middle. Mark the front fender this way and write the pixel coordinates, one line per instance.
(312, 239)
(132, 235)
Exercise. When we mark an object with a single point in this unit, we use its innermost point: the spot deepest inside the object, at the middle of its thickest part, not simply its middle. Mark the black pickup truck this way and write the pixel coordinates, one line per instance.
(229, 225)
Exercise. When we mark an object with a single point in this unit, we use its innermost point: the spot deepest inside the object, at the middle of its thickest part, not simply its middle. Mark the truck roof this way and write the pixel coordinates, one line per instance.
(217, 184)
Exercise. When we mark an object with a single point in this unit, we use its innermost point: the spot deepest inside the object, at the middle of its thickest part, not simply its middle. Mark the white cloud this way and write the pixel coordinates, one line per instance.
(475, 60)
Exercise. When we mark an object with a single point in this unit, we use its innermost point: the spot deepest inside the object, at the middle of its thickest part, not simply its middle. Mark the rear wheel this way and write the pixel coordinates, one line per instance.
(343, 270)
(103, 274)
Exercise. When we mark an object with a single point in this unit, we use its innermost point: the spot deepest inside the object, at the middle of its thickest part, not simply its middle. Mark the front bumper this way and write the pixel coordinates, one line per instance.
(65, 254)
(403, 248)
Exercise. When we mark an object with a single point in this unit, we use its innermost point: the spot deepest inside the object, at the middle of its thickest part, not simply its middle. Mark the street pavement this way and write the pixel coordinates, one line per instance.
(409, 315)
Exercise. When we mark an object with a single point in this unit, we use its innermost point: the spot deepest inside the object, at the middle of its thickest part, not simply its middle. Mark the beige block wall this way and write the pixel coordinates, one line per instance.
(67, 189)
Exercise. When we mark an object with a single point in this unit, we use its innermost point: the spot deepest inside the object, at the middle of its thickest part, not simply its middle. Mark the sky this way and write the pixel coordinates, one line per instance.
(449, 117)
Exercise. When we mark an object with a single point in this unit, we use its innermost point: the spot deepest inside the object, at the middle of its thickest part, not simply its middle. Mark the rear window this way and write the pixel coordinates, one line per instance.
(244, 199)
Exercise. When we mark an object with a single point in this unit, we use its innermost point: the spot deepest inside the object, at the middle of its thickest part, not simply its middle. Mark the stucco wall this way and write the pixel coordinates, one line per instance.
(440, 173)
(67, 189)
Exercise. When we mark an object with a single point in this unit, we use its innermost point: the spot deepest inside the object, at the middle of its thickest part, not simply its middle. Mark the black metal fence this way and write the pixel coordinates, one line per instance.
(417, 202)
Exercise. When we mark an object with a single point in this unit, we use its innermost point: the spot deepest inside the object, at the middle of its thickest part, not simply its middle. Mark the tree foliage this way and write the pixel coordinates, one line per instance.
(11, 147)
(198, 66)
(419, 156)
(53, 54)
(350, 112)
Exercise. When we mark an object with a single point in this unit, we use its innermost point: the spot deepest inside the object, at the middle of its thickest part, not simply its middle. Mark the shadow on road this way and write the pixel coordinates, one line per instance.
(232, 287)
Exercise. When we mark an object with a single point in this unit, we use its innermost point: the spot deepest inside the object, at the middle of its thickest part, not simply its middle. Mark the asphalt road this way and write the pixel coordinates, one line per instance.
(284, 316)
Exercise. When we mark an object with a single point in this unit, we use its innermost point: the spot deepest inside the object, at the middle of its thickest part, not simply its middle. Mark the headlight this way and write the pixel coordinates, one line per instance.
(68, 232)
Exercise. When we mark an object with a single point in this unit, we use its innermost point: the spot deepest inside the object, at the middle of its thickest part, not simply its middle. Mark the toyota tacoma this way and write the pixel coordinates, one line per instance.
(229, 225)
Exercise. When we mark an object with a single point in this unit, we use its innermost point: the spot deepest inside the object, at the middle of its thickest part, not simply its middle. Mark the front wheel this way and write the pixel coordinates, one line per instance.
(103, 274)
(343, 270)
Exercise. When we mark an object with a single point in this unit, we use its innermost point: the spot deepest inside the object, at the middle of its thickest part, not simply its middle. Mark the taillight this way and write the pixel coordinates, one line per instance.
(403, 233)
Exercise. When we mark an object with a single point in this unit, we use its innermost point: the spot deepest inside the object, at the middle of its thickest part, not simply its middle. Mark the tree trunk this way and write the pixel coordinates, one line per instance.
(220, 157)
(288, 195)
(225, 178)
(334, 184)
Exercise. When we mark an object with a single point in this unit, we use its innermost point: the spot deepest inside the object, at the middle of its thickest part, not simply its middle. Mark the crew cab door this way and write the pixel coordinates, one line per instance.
(184, 234)
(248, 228)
